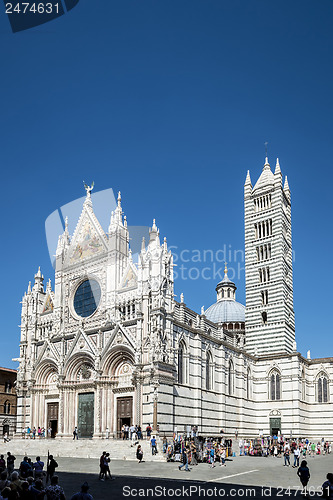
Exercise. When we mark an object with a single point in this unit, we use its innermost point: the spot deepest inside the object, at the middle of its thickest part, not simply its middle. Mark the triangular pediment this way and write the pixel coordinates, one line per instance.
(47, 351)
(119, 336)
(81, 343)
(130, 278)
(88, 239)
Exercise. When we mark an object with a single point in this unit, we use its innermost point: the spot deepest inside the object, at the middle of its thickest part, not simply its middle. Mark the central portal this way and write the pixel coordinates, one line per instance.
(85, 417)
(124, 413)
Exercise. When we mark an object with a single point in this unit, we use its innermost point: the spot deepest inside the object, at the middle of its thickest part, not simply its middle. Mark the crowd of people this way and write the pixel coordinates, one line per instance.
(30, 480)
(278, 446)
(195, 449)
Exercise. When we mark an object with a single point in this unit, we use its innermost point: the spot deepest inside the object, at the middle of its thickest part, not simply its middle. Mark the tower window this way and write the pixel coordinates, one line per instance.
(275, 386)
(322, 389)
(6, 407)
(8, 386)
(264, 317)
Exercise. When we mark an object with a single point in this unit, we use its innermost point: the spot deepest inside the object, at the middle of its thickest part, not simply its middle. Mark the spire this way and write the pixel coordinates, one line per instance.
(29, 288)
(143, 244)
(277, 167)
(182, 298)
(225, 269)
(248, 179)
(267, 165)
(286, 184)
(48, 286)
(39, 278)
(154, 233)
(116, 216)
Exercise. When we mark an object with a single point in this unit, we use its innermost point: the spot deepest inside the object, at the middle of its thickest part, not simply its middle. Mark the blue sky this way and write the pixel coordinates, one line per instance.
(170, 102)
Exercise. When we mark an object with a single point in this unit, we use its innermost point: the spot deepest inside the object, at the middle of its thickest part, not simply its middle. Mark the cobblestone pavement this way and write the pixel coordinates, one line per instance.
(242, 477)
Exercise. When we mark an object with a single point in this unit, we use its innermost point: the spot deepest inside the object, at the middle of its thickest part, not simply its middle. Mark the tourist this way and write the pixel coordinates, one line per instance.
(286, 457)
(28, 432)
(327, 487)
(296, 457)
(83, 494)
(4, 481)
(139, 453)
(2, 464)
(75, 434)
(38, 467)
(38, 489)
(49, 432)
(6, 438)
(26, 493)
(107, 433)
(34, 432)
(148, 431)
(139, 432)
(16, 483)
(102, 466)
(304, 475)
(184, 460)
(10, 463)
(313, 449)
(223, 457)
(153, 445)
(25, 468)
(212, 457)
(107, 461)
(54, 491)
(51, 467)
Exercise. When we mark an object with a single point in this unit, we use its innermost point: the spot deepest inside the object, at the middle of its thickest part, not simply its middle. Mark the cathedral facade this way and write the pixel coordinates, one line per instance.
(109, 345)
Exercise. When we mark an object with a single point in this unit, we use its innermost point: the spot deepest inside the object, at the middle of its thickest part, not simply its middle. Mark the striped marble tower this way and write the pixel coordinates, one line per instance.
(269, 317)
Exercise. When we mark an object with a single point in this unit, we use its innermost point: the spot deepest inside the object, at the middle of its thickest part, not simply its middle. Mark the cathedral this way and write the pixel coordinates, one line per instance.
(109, 345)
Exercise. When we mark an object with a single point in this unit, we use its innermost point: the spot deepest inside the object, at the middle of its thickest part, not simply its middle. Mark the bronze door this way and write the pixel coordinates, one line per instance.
(124, 412)
(52, 418)
(85, 418)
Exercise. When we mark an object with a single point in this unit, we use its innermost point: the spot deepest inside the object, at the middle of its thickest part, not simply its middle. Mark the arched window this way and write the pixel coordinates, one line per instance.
(6, 407)
(322, 388)
(275, 386)
(8, 386)
(182, 371)
(303, 385)
(209, 372)
(248, 384)
(231, 376)
(228, 292)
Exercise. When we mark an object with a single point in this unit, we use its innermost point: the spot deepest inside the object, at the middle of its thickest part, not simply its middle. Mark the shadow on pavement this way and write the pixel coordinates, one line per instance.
(185, 487)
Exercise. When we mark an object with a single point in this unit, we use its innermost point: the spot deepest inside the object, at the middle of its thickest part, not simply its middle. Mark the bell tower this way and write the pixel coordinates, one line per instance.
(269, 317)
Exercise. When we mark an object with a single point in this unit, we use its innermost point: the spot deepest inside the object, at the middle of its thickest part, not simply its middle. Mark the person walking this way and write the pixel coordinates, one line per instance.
(148, 431)
(139, 453)
(102, 467)
(83, 494)
(304, 475)
(107, 461)
(223, 457)
(313, 449)
(153, 446)
(75, 433)
(185, 460)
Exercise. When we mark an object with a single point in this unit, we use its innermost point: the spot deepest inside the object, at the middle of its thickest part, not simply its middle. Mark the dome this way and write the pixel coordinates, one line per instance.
(225, 311)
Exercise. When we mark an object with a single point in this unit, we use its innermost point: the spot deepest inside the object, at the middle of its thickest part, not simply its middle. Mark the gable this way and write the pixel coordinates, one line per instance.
(88, 240)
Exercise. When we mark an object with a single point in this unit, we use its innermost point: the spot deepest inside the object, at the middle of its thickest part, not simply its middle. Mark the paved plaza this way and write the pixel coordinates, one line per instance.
(242, 477)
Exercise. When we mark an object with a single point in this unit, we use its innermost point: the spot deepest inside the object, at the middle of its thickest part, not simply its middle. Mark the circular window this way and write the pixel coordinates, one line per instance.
(86, 298)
